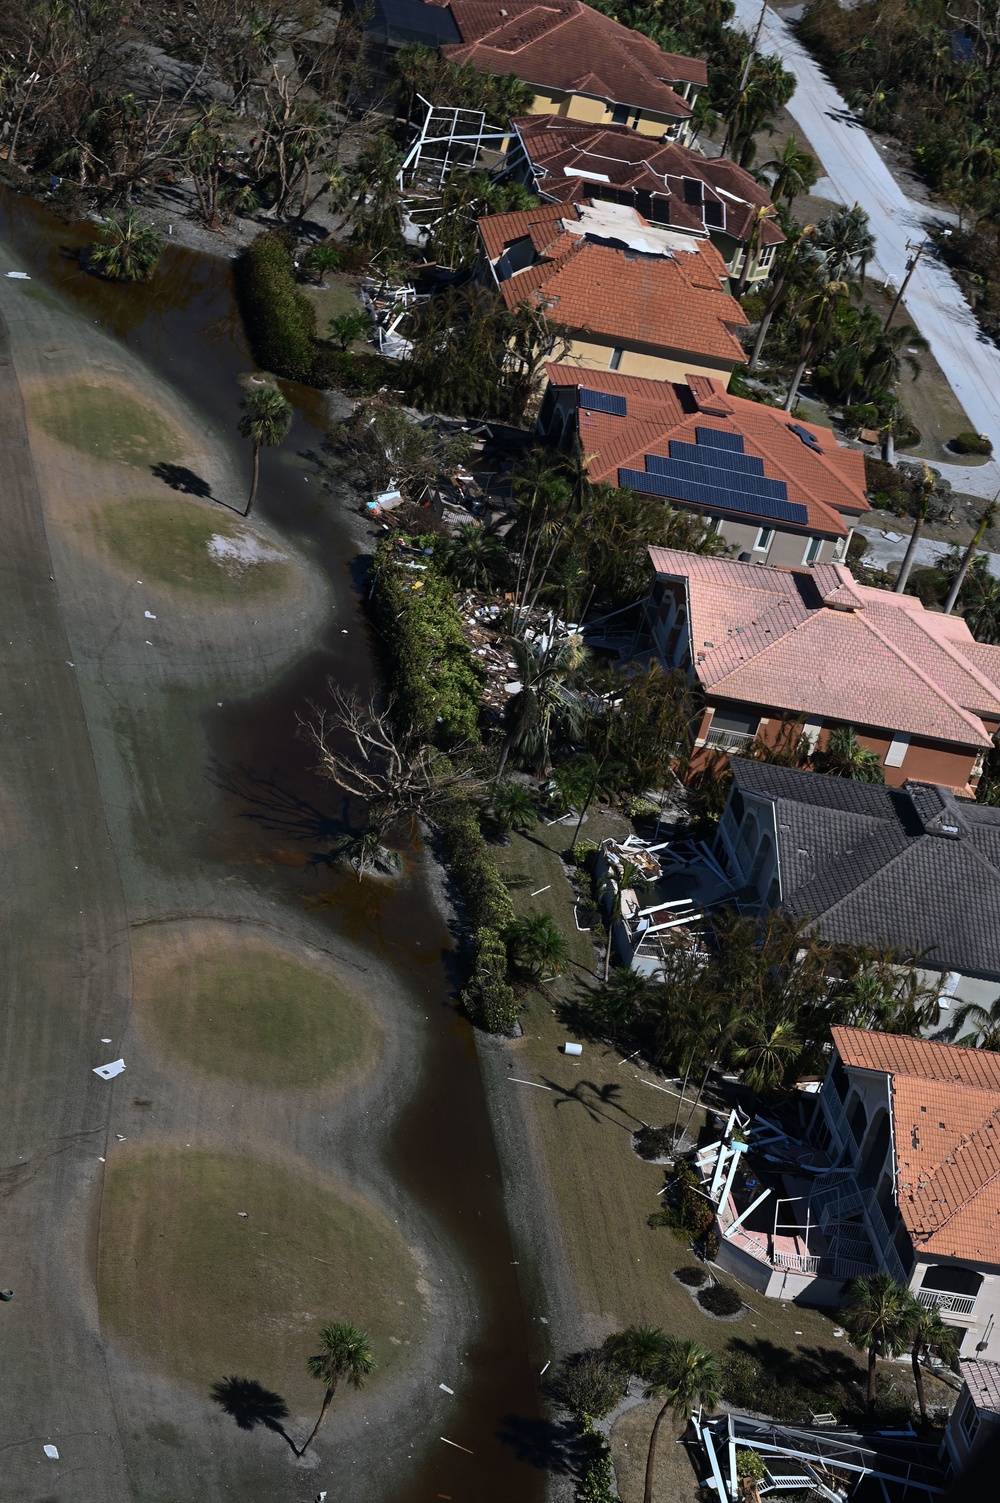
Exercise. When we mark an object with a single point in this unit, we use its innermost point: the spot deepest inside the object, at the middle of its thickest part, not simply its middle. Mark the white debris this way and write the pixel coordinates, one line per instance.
(50, 1451)
(445, 1388)
(149, 616)
(238, 554)
(20, 276)
(108, 1072)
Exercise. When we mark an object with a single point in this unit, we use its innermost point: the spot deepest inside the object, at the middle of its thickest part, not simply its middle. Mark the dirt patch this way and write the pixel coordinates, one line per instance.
(234, 1005)
(189, 1285)
(106, 423)
(192, 548)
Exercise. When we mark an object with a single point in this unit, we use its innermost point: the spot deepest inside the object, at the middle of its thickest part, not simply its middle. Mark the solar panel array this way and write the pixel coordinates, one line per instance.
(717, 474)
(603, 401)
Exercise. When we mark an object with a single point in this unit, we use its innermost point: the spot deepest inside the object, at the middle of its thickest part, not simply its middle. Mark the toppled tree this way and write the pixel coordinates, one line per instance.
(396, 778)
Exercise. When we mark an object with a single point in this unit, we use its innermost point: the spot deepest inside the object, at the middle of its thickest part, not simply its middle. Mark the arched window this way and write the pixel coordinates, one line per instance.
(857, 1119)
(875, 1149)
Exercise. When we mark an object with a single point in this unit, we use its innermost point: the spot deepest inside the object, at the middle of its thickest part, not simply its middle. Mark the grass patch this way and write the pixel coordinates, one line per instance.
(188, 1286)
(339, 296)
(622, 1267)
(105, 423)
(189, 548)
(242, 1009)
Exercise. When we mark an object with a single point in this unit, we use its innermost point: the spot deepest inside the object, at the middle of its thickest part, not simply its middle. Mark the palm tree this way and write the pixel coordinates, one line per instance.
(639, 1348)
(765, 212)
(345, 1356)
(795, 171)
(686, 1378)
(929, 1333)
(981, 606)
(877, 1320)
(847, 242)
(985, 1030)
(767, 1052)
(378, 211)
(536, 943)
(920, 517)
(474, 558)
(985, 521)
(266, 420)
(843, 756)
(513, 807)
(816, 311)
(544, 707)
(127, 251)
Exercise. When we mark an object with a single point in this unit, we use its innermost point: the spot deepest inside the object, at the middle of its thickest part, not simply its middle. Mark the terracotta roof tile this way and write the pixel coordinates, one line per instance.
(898, 1054)
(868, 667)
(672, 299)
(829, 484)
(567, 46)
(566, 155)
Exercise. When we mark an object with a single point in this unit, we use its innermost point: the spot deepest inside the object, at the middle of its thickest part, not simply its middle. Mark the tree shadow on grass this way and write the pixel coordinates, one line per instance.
(180, 478)
(602, 1094)
(813, 1367)
(251, 1404)
(551, 1445)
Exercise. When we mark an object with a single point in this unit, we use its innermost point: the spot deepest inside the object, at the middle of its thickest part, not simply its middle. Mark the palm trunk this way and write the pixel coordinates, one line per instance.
(908, 556)
(918, 1381)
(327, 1401)
(793, 389)
(870, 1398)
(697, 1099)
(888, 447)
(504, 754)
(256, 476)
(963, 568)
(607, 953)
(647, 1492)
(680, 1099)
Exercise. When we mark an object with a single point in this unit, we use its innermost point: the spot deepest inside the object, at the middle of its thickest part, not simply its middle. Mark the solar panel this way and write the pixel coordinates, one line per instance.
(716, 438)
(809, 439)
(603, 401)
(676, 488)
(723, 459)
(751, 485)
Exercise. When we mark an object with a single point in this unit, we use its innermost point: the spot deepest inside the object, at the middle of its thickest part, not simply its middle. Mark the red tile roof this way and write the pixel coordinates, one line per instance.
(670, 299)
(946, 1138)
(767, 636)
(829, 484)
(570, 158)
(566, 46)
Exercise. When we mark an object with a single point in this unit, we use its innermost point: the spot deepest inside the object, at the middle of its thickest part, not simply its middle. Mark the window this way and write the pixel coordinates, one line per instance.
(616, 360)
(766, 257)
(812, 550)
(970, 1419)
(897, 750)
(619, 115)
(714, 214)
(764, 538)
(694, 191)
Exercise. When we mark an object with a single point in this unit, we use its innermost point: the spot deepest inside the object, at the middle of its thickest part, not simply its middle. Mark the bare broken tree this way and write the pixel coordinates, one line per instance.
(396, 778)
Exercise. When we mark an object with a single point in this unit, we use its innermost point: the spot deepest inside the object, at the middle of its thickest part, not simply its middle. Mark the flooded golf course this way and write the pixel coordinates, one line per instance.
(301, 1134)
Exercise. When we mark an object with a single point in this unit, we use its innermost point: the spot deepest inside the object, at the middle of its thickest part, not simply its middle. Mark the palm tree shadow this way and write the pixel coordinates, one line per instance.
(251, 1404)
(604, 1094)
(180, 478)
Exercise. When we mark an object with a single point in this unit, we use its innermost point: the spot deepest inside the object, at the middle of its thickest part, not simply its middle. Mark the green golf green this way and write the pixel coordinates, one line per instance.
(106, 422)
(188, 547)
(233, 1005)
(201, 1292)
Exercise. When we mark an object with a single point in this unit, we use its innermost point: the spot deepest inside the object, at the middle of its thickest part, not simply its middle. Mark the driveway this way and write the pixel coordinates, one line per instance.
(856, 173)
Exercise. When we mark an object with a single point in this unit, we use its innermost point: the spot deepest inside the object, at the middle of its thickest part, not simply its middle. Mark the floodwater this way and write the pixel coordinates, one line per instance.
(186, 327)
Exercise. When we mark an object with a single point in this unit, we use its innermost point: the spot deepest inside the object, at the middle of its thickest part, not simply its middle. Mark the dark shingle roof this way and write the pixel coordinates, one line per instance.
(910, 868)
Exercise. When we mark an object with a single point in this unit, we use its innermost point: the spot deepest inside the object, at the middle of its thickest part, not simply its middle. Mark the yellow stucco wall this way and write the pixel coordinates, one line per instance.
(591, 354)
(598, 112)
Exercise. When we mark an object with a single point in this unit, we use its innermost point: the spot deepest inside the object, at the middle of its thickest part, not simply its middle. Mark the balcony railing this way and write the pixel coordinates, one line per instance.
(824, 1264)
(937, 1299)
(884, 1248)
(728, 740)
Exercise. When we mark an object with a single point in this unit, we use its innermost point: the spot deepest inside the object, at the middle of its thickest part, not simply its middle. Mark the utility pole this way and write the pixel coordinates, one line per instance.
(753, 48)
(911, 267)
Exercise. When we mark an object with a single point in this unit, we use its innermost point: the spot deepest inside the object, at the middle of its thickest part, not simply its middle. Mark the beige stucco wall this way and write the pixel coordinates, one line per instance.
(592, 354)
(601, 112)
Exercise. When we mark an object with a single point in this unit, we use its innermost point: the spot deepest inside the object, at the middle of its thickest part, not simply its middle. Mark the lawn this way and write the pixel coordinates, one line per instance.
(106, 423)
(234, 1006)
(604, 1192)
(201, 1293)
(340, 295)
(190, 547)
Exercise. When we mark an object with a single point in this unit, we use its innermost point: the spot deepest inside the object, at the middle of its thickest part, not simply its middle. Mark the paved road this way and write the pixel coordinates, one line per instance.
(887, 547)
(857, 173)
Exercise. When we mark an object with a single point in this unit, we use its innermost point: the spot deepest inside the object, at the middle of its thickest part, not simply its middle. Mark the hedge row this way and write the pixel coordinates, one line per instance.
(280, 319)
(281, 325)
(429, 666)
(488, 996)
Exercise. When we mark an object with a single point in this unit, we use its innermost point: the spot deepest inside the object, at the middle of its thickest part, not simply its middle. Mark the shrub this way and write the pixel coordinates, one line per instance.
(653, 1142)
(279, 317)
(691, 1275)
(596, 1484)
(584, 853)
(428, 664)
(488, 997)
(536, 943)
(930, 586)
(971, 443)
(720, 1299)
(590, 1383)
(751, 1464)
(359, 375)
(748, 1383)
